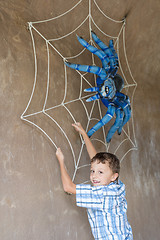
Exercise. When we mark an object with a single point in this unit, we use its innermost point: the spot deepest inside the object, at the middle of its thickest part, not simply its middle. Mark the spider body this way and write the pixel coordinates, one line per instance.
(109, 86)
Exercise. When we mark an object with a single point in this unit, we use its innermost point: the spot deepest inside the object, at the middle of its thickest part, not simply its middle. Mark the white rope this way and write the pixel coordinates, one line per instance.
(135, 148)
(75, 56)
(68, 34)
(83, 77)
(76, 168)
(35, 75)
(66, 79)
(24, 119)
(64, 135)
(48, 20)
(30, 24)
(45, 102)
(124, 47)
(107, 35)
(116, 21)
(84, 166)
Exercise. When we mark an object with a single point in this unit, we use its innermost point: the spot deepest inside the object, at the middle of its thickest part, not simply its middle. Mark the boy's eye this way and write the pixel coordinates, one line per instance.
(92, 171)
(100, 172)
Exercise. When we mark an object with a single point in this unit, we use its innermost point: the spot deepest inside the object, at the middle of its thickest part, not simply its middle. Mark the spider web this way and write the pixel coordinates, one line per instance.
(51, 107)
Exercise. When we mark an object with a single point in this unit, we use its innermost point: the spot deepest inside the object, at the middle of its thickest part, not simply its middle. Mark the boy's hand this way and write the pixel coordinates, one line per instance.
(68, 185)
(78, 127)
(59, 155)
(90, 148)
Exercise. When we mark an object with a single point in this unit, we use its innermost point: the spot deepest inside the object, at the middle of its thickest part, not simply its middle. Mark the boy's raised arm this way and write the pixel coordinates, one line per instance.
(90, 148)
(68, 185)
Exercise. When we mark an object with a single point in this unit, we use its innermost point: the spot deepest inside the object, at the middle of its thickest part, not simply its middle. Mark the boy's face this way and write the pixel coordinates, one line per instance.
(101, 174)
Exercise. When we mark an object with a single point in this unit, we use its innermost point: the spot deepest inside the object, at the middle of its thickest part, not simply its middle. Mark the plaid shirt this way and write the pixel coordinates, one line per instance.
(106, 208)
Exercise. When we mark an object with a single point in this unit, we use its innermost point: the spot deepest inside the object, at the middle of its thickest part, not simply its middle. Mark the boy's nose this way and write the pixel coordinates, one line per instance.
(94, 175)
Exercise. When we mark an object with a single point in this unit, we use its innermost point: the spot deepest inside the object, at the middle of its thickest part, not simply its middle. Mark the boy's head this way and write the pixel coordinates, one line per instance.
(105, 168)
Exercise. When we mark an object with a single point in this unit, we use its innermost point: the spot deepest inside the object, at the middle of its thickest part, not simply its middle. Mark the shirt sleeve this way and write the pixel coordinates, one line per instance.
(89, 197)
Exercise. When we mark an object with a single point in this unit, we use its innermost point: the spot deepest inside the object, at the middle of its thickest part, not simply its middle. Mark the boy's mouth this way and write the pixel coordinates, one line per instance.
(96, 181)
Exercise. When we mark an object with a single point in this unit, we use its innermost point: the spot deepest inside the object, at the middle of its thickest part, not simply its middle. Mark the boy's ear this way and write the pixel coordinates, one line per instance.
(114, 176)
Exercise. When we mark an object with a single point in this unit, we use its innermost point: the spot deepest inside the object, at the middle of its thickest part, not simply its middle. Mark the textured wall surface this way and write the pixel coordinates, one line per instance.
(32, 202)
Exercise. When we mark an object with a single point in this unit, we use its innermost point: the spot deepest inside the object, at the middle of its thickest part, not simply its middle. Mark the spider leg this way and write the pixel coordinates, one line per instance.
(119, 119)
(115, 63)
(108, 116)
(103, 46)
(127, 116)
(102, 55)
(95, 97)
(110, 52)
(94, 89)
(86, 68)
(123, 101)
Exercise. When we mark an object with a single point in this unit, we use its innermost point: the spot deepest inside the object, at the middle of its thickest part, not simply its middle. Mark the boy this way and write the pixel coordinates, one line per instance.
(105, 199)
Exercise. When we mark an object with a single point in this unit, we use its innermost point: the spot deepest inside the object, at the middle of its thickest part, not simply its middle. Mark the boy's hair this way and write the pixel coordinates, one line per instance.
(113, 161)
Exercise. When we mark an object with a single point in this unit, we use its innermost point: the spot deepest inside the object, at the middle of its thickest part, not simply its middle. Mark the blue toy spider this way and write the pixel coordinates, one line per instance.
(109, 86)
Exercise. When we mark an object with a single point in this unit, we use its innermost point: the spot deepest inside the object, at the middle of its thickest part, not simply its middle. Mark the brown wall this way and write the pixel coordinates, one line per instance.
(32, 202)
